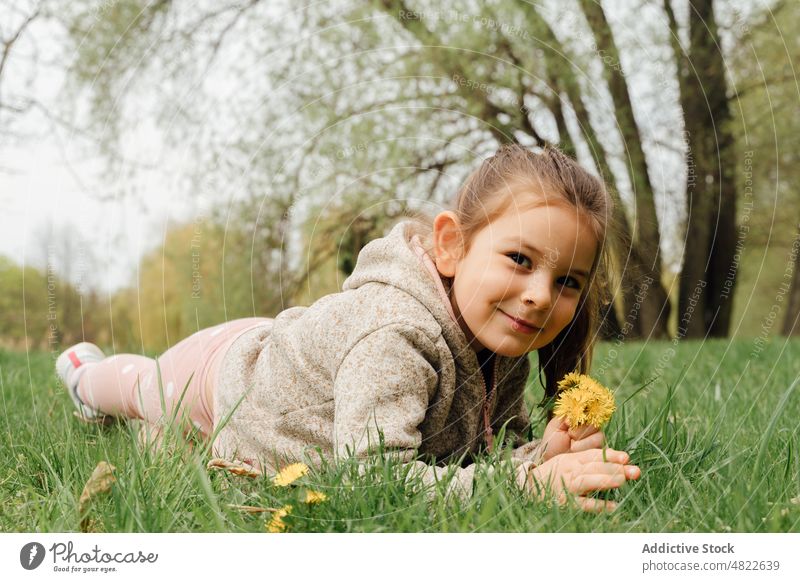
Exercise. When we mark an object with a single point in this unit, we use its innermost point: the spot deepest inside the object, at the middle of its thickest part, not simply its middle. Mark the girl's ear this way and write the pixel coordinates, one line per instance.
(447, 243)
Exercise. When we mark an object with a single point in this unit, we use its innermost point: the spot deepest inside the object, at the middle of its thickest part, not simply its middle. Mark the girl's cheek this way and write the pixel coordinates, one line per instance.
(565, 308)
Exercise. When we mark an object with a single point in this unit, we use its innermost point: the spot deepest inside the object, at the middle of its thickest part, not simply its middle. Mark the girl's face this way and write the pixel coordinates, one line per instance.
(528, 266)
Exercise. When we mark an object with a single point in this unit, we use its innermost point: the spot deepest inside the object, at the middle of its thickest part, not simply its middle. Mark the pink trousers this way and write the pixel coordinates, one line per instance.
(127, 385)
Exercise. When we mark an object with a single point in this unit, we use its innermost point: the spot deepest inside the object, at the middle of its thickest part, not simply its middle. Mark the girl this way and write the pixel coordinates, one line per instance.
(427, 344)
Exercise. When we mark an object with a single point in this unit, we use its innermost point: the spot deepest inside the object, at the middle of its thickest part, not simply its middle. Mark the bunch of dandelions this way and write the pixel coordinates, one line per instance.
(583, 400)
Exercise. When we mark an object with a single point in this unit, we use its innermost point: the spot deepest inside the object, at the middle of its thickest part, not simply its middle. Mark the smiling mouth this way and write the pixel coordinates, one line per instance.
(521, 326)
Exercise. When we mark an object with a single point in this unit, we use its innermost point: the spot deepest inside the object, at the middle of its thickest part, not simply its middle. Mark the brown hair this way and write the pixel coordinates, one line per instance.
(488, 192)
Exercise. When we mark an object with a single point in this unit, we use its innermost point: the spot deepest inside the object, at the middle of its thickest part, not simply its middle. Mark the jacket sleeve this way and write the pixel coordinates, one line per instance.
(385, 383)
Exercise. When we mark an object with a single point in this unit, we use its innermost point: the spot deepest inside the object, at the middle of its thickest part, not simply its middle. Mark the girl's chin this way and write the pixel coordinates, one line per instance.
(507, 349)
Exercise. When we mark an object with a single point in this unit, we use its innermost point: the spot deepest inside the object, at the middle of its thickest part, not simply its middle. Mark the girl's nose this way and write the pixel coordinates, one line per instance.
(538, 292)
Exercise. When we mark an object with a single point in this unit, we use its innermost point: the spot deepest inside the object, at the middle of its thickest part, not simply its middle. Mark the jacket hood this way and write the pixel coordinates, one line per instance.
(399, 260)
(396, 260)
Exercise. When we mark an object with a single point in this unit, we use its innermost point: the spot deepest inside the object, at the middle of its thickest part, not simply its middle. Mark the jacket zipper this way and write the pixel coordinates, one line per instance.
(487, 396)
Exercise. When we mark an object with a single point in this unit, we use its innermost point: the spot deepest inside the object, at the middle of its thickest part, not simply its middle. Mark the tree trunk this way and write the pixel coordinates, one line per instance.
(645, 295)
(707, 279)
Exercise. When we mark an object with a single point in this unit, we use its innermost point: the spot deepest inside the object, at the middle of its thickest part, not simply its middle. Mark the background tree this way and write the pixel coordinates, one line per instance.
(767, 160)
(15, 59)
(708, 275)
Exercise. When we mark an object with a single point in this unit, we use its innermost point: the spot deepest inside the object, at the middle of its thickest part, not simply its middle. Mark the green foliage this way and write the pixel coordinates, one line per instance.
(768, 157)
(110, 38)
(201, 276)
(41, 310)
(767, 127)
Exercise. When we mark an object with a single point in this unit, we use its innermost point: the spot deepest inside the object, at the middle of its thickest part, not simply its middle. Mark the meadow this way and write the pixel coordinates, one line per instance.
(715, 431)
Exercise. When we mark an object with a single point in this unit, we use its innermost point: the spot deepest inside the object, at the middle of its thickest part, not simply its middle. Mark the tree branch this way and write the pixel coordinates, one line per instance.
(9, 44)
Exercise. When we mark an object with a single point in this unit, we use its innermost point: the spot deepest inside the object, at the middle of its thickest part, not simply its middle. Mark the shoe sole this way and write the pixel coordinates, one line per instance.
(63, 363)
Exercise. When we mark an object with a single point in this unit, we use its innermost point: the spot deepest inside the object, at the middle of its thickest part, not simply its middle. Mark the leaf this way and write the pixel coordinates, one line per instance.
(99, 483)
(235, 467)
(252, 508)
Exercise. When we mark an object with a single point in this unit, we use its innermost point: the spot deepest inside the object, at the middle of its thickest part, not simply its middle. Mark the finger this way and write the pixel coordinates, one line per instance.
(595, 505)
(559, 423)
(600, 468)
(632, 472)
(593, 482)
(581, 432)
(611, 456)
(594, 441)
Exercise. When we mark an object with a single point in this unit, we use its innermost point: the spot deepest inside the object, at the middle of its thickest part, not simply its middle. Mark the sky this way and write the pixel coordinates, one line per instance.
(51, 189)
(45, 197)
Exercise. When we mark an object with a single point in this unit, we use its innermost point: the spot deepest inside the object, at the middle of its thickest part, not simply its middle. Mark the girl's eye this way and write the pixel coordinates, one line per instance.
(520, 259)
(571, 282)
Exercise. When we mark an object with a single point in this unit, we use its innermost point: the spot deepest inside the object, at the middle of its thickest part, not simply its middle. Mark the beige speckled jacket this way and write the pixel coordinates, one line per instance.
(385, 353)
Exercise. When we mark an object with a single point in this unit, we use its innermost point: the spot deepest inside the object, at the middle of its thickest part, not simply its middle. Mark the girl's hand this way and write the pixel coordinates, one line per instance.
(577, 474)
(559, 438)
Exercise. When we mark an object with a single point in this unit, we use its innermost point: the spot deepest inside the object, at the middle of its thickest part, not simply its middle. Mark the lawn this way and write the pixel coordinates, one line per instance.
(716, 436)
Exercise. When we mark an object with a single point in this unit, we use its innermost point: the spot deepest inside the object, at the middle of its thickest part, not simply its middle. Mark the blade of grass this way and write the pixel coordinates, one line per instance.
(773, 421)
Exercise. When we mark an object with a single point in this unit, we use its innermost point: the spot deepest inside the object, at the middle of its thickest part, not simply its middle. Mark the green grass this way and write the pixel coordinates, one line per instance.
(716, 436)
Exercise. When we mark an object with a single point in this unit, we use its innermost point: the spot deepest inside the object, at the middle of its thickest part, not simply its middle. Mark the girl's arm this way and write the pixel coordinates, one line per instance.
(385, 384)
(384, 387)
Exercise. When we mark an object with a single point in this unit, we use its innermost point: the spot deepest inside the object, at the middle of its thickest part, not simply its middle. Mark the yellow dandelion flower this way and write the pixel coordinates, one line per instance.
(572, 404)
(601, 406)
(587, 402)
(290, 474)
(571, 380)
(315, 497)
(276, 524)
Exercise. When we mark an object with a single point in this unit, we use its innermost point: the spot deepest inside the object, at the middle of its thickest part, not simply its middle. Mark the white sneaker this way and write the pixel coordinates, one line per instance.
(69, 369)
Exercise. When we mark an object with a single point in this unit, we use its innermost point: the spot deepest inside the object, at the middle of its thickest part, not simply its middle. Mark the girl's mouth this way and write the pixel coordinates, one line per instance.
(518, 325)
